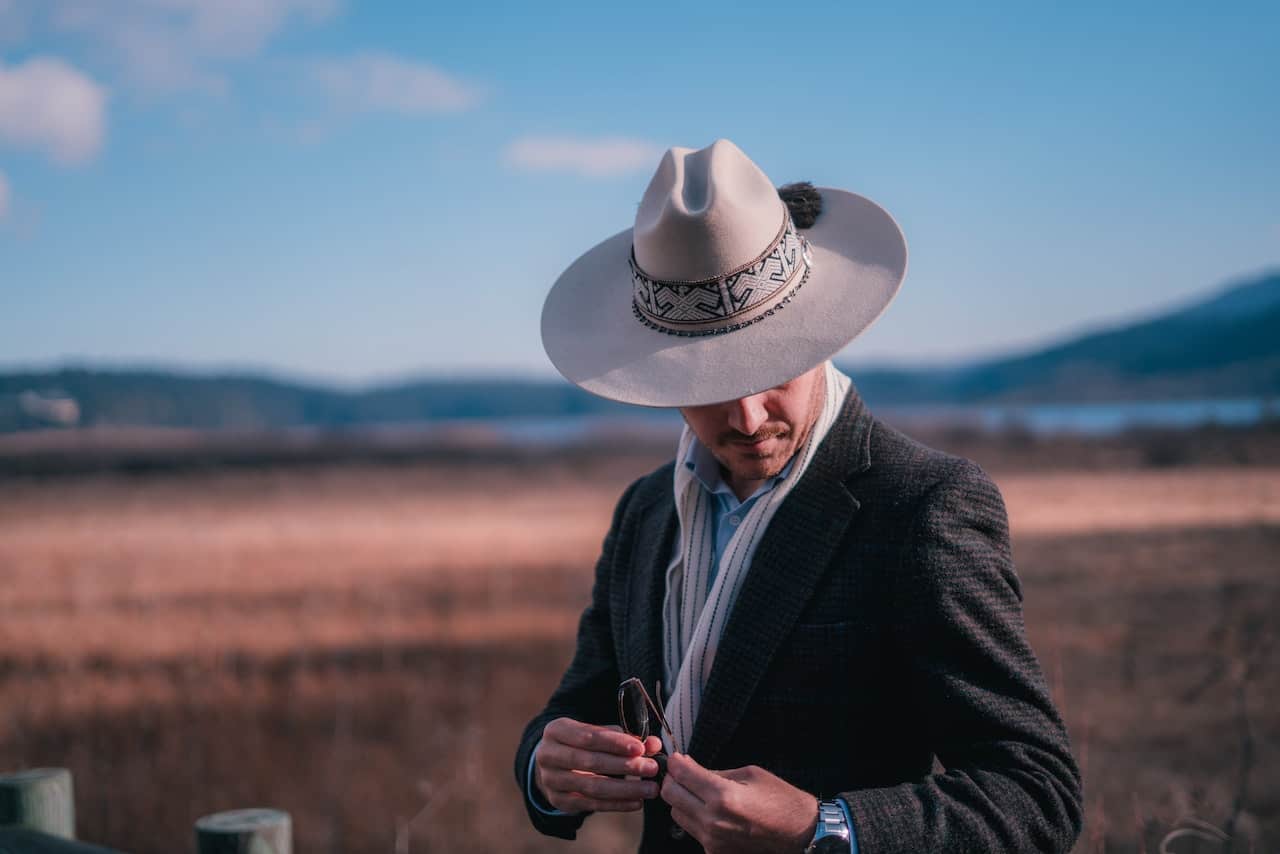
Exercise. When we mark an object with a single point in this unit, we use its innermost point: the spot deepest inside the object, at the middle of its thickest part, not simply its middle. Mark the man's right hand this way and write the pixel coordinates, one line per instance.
(580, 767)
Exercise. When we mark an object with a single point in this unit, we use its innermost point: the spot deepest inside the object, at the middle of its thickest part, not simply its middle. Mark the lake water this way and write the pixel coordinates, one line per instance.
(1095, 418)
(1043, 419)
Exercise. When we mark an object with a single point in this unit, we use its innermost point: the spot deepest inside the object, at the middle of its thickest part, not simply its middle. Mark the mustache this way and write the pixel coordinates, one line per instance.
(760, 435)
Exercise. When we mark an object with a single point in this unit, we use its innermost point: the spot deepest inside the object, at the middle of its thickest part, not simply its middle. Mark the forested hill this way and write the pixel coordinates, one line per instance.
(1225, 346)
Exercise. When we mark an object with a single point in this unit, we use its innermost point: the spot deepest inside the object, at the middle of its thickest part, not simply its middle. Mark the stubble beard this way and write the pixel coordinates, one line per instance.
(772, 464)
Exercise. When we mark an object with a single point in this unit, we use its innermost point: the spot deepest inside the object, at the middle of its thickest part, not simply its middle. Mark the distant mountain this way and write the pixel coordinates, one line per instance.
(156, 398)
(1225, 346)
(1238, 301)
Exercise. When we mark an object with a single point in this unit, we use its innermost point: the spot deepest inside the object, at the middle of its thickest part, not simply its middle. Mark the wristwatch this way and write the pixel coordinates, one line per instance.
(832, 833)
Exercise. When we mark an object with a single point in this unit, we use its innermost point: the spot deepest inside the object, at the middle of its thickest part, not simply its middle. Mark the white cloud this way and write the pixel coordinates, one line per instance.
(4, 196)
(47, 105)
(167, 46)
(593, 158)
(379, 81)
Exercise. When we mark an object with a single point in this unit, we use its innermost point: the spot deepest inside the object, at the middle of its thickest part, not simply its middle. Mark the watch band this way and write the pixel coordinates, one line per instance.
(831, 836)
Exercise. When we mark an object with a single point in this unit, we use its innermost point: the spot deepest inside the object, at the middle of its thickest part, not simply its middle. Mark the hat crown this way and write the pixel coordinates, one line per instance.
(705, 214)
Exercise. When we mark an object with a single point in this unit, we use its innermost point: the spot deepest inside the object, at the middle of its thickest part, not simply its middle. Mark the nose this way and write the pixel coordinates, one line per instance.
(747, 414)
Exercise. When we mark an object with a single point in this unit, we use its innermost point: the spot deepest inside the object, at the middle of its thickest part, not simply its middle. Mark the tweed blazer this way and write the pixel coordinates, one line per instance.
(879, 629)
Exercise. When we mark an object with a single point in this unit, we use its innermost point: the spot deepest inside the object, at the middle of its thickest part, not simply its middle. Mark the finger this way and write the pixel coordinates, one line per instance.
(703, 783)
(652, 745)
(591, 737)
(553, 754)
(679, 796)
(601, 788)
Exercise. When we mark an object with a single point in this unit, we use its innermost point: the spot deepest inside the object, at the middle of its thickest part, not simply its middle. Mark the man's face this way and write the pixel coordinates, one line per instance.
(754, 437)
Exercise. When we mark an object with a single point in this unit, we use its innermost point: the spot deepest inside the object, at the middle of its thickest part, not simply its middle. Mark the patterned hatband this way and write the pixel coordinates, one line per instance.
(737, 299)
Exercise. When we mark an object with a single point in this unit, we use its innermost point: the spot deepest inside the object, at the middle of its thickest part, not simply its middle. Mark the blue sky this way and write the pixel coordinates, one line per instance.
(364, 192)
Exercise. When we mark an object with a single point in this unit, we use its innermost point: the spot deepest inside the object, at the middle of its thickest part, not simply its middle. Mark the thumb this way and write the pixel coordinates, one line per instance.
(652, 745)
(693, 776)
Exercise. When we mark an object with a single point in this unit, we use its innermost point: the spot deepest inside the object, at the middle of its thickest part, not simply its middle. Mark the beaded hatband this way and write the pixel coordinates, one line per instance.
(725, 303)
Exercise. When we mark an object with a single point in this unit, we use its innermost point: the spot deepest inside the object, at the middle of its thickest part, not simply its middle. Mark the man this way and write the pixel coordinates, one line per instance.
(823, 606)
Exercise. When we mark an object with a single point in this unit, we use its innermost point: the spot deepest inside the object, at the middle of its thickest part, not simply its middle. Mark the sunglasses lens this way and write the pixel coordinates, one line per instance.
(635, 712)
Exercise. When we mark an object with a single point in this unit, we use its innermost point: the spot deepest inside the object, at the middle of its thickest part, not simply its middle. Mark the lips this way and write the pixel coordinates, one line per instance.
(759, 443)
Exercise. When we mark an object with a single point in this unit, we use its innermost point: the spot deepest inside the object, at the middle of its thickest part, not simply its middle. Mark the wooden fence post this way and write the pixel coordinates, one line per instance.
(256, 831)
(39, 799)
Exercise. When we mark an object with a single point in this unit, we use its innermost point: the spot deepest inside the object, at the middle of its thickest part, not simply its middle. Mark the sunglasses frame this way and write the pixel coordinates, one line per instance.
(654, 708)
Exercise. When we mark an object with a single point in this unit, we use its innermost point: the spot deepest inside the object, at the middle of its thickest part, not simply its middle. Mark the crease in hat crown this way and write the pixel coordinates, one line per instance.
(705, 214)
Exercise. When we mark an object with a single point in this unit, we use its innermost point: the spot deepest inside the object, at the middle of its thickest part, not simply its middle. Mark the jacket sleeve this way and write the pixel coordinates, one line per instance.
(1010, 783)
(589, 688)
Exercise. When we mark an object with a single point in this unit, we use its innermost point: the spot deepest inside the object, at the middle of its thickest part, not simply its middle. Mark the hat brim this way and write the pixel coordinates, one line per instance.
(593, 338)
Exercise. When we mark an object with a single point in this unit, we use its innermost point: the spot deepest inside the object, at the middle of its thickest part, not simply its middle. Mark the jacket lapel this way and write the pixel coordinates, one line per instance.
(783, 575)
(655, 540)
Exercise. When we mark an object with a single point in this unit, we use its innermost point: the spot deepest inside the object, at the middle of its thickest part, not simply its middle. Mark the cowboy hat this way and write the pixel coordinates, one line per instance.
(716, 293)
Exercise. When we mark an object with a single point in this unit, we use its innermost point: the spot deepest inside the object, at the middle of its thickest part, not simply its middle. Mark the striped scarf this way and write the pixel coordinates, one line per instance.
(694, 617)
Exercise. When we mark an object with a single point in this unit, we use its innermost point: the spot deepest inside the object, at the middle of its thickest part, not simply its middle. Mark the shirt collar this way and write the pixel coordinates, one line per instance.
(706, 468)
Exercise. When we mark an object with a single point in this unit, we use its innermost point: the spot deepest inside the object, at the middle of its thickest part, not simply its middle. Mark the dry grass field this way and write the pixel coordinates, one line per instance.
(361, 643)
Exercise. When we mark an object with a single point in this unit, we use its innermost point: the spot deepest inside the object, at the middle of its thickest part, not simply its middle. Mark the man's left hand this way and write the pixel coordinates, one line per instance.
(742, 809)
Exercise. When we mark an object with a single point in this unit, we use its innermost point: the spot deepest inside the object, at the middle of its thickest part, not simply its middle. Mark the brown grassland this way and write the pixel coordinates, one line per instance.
(360, 643)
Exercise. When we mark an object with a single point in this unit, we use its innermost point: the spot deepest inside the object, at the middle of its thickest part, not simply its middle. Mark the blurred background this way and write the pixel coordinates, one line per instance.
(294, 511)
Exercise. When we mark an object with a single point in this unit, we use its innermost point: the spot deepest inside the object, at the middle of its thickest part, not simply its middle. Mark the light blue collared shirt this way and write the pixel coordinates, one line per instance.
(727, 513)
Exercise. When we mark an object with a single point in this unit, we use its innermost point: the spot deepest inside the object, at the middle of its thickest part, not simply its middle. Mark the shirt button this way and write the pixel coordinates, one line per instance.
(734, 520)
(676, 832)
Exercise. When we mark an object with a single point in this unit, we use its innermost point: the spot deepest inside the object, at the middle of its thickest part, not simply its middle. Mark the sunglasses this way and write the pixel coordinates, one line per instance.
(636, 713)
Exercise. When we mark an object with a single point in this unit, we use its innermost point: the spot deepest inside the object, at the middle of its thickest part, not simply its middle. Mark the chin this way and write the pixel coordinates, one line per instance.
(759, 466)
